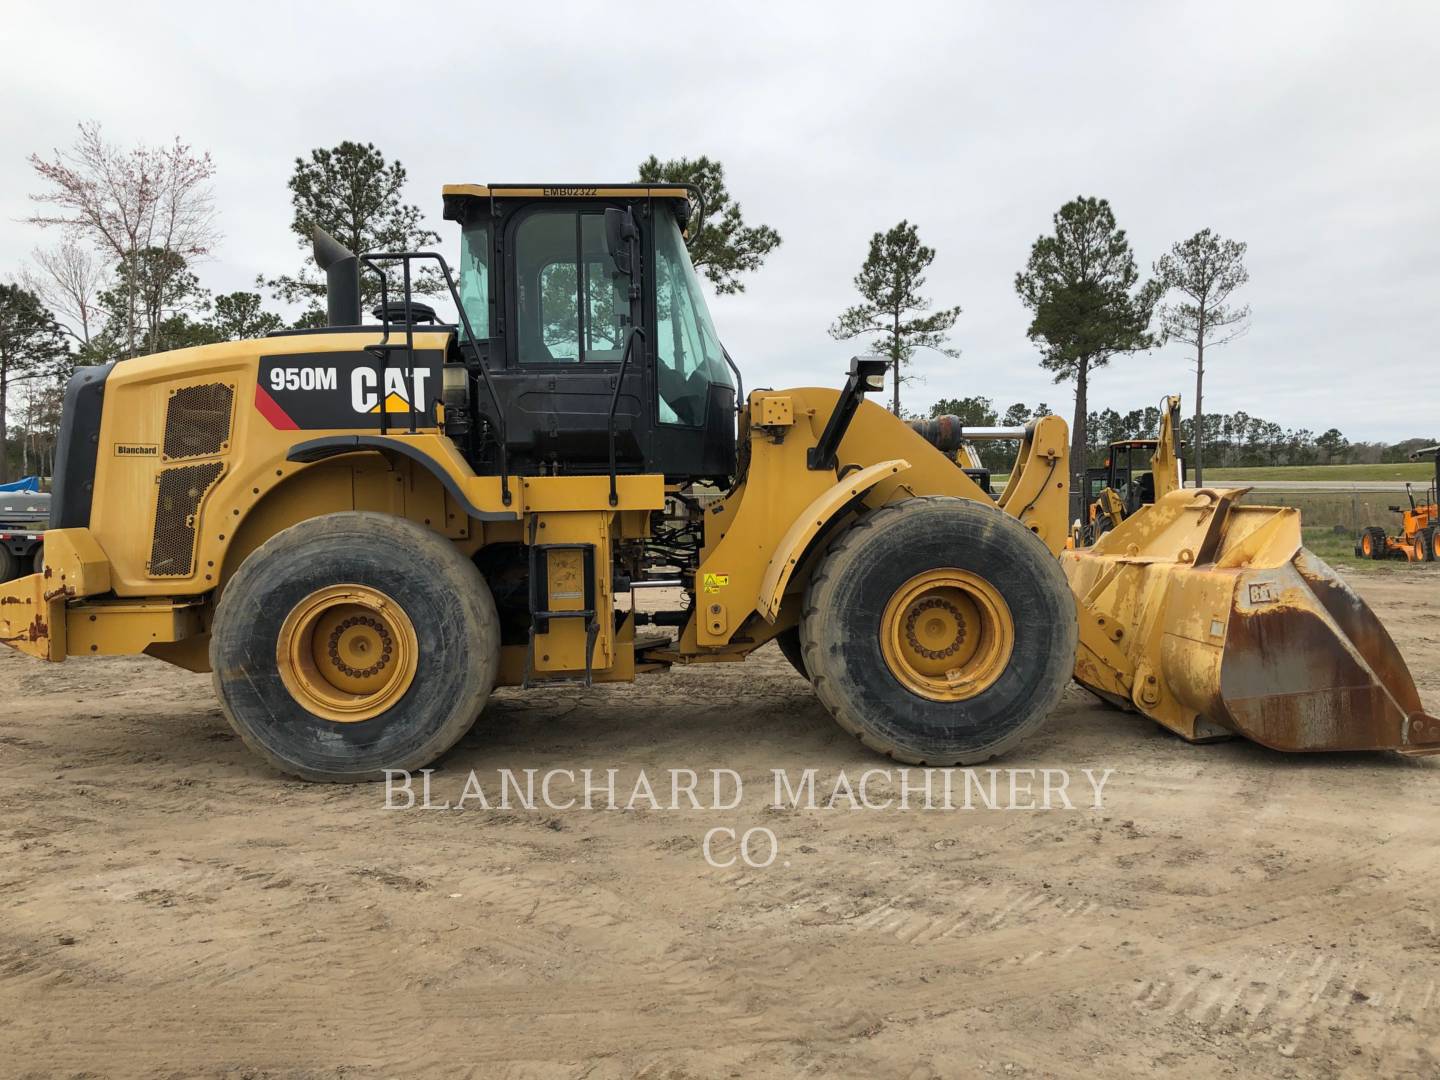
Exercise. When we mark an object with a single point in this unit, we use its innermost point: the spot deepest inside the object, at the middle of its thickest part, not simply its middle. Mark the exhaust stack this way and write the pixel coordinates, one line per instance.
(342, 278)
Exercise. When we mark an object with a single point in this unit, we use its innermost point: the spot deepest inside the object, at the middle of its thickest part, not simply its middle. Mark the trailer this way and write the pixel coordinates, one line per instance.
(24, 516)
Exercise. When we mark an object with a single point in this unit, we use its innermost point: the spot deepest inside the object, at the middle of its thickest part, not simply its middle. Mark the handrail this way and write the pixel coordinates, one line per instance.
(406, 257)
(739, 381)
(635, 332)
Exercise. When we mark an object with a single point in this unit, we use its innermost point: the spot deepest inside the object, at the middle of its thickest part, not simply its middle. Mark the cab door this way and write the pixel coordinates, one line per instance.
(567, 311)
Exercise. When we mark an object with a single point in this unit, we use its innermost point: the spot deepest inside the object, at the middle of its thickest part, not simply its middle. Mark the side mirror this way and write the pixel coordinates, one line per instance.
(621, 232)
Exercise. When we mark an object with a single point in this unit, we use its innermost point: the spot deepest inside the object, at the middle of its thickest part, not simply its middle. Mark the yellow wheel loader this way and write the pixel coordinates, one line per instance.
(362, 529)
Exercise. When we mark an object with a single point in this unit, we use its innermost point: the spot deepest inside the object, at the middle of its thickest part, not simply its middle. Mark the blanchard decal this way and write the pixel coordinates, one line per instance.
(348, 390)
(125, 449)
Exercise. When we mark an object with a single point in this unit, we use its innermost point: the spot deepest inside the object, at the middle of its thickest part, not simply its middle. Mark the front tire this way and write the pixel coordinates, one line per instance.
(939, 631)
(353, 643)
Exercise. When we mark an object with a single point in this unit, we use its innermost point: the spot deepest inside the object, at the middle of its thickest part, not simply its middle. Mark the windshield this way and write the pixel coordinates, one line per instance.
(690, 357)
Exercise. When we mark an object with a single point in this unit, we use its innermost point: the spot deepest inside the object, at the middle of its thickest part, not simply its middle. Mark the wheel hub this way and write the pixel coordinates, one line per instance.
(942, 620)
(347, 653)
(947, 634)
(360, 639)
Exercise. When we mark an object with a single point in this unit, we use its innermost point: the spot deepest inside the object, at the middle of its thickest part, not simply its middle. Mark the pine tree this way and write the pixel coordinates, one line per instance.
(1080, 285)
(32, 346)
(1205, 270)
(356, 195)
(721, 245)
(893, 309)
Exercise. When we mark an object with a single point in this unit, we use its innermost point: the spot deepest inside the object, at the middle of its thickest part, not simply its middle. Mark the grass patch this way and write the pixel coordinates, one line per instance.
(1421, 471)
(1337, 549)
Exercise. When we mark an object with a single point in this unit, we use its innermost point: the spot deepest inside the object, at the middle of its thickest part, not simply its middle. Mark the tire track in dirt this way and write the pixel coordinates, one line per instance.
(653, 1015)
(1281, 1000)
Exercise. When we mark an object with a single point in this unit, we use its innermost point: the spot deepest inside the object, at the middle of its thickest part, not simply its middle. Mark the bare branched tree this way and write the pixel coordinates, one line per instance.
(69, 280)
(125, 202)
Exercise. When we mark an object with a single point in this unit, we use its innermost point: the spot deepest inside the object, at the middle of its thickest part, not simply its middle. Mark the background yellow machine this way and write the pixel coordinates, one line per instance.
(1136, 473)
(361, 530)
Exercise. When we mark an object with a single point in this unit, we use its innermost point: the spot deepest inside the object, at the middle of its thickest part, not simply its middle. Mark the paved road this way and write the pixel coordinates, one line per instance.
(1345, 486)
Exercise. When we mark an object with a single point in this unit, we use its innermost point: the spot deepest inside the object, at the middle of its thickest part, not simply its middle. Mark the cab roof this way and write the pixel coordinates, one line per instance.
(456, 195)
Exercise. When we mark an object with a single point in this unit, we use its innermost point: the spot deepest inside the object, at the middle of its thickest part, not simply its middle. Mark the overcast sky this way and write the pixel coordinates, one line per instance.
(1309, 130)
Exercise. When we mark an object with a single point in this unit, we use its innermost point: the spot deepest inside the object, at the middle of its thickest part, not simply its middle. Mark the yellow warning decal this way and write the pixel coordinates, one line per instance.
(716, 582)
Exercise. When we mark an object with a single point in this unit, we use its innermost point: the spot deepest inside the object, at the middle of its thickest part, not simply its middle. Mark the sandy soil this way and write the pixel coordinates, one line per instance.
(169, 907)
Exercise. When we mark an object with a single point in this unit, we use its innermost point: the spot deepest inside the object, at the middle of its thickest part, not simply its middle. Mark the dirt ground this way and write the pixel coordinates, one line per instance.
(170, 907)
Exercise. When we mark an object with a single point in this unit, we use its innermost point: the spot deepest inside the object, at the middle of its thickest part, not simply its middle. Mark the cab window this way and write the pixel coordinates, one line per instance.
(569, 297)
(475, 277)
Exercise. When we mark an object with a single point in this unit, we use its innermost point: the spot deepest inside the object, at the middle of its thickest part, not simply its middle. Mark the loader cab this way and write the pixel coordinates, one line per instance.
(1118, 489)
(1095, 482)
(571, 291)
(1128, 473)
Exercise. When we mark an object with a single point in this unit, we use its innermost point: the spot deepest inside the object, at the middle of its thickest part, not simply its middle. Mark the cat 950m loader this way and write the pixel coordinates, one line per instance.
(362, 529)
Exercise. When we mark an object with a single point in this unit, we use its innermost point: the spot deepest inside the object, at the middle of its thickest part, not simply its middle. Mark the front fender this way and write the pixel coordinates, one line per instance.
(807, 526)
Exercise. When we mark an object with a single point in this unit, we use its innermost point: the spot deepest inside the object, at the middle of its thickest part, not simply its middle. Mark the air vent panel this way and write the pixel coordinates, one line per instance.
(181, 490)
(197, 420)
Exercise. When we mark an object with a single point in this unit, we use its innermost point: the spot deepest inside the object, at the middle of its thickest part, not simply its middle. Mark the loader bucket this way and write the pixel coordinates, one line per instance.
(1211, 619)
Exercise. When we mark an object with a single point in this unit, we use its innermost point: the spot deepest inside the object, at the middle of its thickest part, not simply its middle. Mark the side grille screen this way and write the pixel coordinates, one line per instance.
(172, 550)
(197, 420)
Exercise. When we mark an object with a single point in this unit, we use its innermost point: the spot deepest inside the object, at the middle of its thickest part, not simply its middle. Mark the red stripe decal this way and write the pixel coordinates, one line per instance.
(272, 411)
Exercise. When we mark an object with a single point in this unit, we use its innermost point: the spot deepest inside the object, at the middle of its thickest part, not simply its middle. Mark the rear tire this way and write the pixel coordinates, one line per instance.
(1435, 545)
(1372, 543)
(37, 559)
(1425, 545)
(361, 582)
(9, 565)
(994, 604)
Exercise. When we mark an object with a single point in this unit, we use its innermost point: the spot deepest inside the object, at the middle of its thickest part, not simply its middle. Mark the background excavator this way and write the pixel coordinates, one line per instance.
(362, 529)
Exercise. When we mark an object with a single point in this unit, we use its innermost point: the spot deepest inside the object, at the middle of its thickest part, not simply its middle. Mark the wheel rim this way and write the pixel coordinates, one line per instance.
(947, 635)
(347, 653)
(1367, 545)
(1435, 546)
